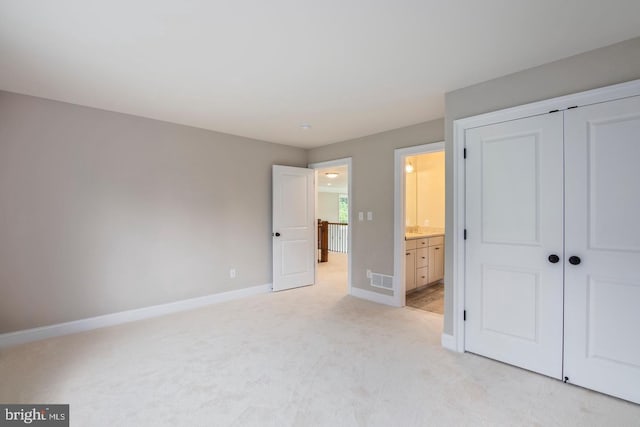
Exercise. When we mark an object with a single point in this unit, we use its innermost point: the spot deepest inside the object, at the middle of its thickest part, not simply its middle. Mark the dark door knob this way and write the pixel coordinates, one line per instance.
(277, 234)
(574, 260)
(554, 258)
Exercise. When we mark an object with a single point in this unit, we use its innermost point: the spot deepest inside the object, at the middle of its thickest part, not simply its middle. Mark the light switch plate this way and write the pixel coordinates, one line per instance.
(369, 216)
(360, 216)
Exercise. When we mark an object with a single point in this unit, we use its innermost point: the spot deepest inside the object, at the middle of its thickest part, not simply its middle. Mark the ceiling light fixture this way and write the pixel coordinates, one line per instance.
(331, 175)
(305, 126)
(409, 167)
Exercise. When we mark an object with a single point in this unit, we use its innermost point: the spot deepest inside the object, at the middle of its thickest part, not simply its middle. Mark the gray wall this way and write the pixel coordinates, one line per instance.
(373, 188)
(102, 212)
(601, 67)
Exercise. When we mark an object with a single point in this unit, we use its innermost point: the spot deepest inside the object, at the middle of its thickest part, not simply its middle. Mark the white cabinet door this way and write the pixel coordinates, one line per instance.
(294, 228)
(514, 220)
(436, 263)
(410, 270)
(602, 293)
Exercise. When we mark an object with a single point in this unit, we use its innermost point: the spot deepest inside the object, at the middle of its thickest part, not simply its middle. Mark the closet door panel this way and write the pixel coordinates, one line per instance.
(602, 308)
(514, 204)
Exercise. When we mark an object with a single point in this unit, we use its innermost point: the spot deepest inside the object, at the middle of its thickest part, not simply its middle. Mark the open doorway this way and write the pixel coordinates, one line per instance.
(419, 227)
(333, 215)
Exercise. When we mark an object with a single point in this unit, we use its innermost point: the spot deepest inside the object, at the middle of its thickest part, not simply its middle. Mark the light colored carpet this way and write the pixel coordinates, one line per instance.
(305, 357)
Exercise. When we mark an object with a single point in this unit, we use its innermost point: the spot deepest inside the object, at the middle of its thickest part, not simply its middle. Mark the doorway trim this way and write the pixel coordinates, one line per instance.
(347, 161)
(400, 155)
(457, 227)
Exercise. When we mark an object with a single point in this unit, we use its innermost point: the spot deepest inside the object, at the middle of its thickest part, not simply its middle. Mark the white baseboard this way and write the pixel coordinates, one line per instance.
(373, 296)
(448, 342)
(35, 334)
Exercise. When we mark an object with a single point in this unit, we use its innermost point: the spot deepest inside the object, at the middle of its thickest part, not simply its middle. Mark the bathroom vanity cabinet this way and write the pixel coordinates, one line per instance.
(424, 261)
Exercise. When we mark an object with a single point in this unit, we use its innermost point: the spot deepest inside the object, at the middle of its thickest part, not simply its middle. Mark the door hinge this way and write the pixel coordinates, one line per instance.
(465, 234)
(464, 315)
(464, 153)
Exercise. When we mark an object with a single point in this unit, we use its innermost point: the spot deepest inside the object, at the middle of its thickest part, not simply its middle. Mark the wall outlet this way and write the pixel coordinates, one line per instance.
(232, 273)
(368, 274)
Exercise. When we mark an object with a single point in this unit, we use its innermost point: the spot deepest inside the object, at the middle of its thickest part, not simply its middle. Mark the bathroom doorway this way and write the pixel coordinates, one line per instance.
(420, 227)
(333, 218)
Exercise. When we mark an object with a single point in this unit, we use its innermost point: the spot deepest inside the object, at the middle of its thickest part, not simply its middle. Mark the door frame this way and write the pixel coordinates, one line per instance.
(346, 161)
(400, 156)
(456, 227)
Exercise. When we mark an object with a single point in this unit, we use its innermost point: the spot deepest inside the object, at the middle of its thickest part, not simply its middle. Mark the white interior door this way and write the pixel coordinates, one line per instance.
(514, 223)
(294, 228)
(602, 310)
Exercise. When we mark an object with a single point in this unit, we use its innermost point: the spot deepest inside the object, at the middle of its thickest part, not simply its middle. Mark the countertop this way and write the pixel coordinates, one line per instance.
(413, 236)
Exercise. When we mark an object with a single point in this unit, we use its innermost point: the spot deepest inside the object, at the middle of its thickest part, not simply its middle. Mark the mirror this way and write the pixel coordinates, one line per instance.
(425, 193)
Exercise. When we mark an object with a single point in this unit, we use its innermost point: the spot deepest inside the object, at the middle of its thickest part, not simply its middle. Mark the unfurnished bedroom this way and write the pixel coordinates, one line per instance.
(294, 213)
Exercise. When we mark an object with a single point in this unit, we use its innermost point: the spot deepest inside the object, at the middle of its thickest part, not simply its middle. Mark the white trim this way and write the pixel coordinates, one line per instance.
(35, 334)
(373, 296)
(458, 224)
(448, 341)
(594, 96)
(460, 126)
(347, 161)
(400, 156)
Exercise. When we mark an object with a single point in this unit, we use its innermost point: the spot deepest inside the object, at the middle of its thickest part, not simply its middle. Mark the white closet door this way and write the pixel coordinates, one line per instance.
(602, 313)
(514, 222)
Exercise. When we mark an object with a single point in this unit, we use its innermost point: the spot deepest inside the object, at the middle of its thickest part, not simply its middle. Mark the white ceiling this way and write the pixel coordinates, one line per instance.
(338, 184)
(261, 68)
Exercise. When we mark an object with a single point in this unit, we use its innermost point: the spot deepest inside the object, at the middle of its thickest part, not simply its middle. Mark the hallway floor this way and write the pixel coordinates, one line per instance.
(334, 273)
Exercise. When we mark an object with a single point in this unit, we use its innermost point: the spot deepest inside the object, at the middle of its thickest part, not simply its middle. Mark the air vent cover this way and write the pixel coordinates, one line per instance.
(381, 281)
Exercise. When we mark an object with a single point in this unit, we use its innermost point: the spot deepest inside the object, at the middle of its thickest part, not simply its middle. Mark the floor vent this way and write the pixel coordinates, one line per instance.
(381, 281)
